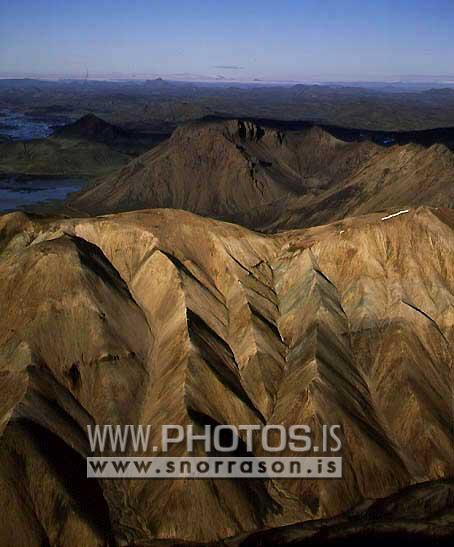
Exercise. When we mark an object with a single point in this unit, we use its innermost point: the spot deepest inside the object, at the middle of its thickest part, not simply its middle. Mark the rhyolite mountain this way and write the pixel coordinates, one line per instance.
(271, 179)
(164, 317)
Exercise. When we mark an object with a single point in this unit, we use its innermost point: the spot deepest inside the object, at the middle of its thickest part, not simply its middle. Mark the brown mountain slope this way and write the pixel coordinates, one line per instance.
(399, 177)
(270, 180)
(230, 170)
(163, 317)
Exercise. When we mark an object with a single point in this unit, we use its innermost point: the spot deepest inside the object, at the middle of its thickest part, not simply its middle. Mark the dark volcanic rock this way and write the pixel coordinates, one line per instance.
(91, 127)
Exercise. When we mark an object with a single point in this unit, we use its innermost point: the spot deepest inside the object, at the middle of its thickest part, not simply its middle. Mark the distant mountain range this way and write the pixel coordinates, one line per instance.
(153, 103)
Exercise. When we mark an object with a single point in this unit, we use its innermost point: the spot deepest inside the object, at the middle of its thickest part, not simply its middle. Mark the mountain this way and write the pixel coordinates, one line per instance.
(90, 127)
(134, 103)
(88, 147)
(271, 179)
(164, 317)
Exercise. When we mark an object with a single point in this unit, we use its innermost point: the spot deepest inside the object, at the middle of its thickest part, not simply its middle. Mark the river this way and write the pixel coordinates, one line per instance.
(19, 192)
(19, 126)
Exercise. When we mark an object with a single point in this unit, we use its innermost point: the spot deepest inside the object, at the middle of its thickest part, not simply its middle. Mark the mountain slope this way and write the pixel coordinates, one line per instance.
(161, 316)
(396, 177)
(270, 180)
(232, 170)
(90, 127)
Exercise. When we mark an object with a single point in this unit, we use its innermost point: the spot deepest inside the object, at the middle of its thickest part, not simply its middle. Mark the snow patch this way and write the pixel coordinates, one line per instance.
(396, 214)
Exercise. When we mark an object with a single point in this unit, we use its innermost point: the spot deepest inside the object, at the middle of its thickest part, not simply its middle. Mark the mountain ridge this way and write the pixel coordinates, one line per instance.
(269, 179)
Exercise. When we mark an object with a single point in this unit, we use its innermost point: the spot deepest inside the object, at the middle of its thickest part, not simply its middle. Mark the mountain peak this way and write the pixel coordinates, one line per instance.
(91, 127)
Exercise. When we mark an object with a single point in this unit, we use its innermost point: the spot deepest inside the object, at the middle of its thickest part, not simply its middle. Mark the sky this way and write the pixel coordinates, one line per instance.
(285, 40)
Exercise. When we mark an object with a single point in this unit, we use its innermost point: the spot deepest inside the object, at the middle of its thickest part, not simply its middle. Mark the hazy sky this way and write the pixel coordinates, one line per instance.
(241, 39)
